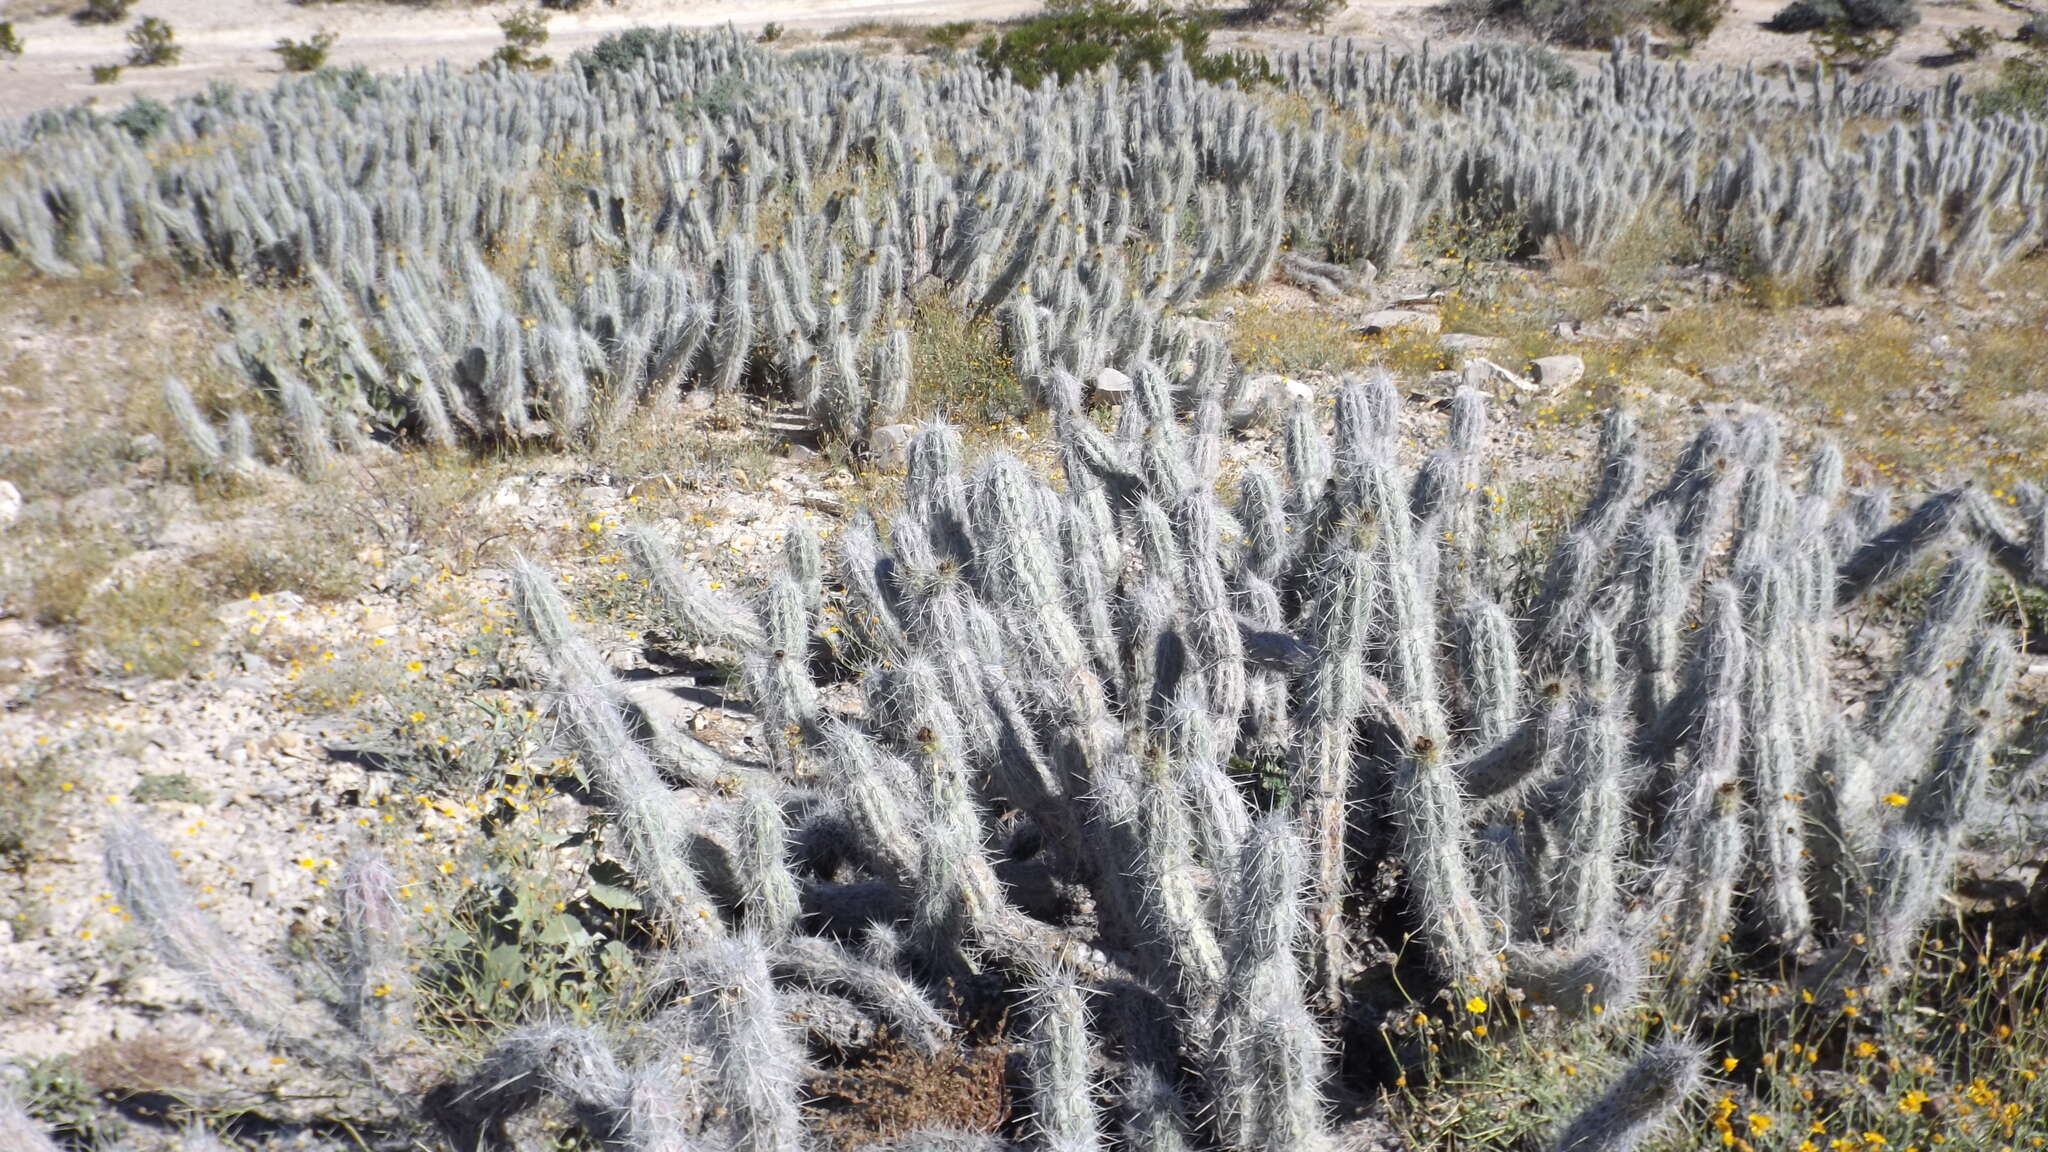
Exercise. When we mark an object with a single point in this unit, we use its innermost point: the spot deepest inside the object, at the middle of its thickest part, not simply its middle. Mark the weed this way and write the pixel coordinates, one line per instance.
(106, 73)
(10, 40)
(770, 33)
(1293, 340)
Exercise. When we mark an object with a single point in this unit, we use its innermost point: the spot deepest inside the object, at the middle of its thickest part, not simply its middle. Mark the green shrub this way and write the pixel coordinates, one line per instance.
(1580, 22)
(1854, 15)
(306, 55)
(10, 43)
(103, 11)
(525, 30)
(152, 44)
(1846, 46)
(106, 73)
(621, 51)
(1692, 20)
(564, 5)
(771, 32)
(2022, 87)
(1073, 37)
(1313, 13)
(143, 118)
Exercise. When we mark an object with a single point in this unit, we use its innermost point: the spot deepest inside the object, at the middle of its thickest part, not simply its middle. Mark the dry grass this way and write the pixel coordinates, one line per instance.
(1292, 338)
(959, 370)
(896, 1091)
(148, 623)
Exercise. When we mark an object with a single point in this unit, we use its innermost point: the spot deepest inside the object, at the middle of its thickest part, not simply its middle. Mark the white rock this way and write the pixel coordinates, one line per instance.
(1299, 391)
(10, 503)
(1487, 376)
(1400, 320)
(889, 445)
(1112, 381)
(1468, 343)
(1555, 372)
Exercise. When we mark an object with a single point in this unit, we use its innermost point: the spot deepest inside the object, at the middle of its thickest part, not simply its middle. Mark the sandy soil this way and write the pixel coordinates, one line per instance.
(232, 39)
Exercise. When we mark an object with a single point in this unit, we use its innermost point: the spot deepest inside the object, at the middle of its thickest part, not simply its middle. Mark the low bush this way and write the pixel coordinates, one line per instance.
(10, 41)
(1855, 15)
(308, 55)
(1692, 20)
(152, 44)
(106, 73)
(1581, 23)
(1074, 37)
(103, 11)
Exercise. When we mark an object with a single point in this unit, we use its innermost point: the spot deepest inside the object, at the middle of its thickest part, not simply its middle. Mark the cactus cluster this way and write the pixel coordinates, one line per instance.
(1601, 791)
(508, 256)
(1160, 760)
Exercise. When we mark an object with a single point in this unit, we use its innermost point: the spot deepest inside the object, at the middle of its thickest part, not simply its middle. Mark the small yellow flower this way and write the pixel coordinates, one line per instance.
(1759, 1123)
(1730, 1064)
(1912, 1102)
(1895, 800)
(1476, 1005)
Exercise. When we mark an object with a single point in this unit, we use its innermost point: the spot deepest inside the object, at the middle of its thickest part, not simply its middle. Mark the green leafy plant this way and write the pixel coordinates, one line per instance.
(770, 33)
(103, 11)
(525, 30)
(1075, 37)
(309, 55)
(10, 41)
(152, 44)
(106, 73)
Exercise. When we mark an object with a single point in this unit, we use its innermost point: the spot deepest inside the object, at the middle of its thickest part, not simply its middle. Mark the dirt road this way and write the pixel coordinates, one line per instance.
(232, 39)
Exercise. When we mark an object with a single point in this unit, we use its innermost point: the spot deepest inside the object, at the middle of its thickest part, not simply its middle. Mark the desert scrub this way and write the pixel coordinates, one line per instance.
(150, 622)
(308, 55)
(152, 44)
(1074, 37)
(103, 11)
(35, 782)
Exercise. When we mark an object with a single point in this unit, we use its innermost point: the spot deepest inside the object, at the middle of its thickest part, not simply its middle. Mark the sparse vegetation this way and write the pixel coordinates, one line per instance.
(10, 41)
(106, 73)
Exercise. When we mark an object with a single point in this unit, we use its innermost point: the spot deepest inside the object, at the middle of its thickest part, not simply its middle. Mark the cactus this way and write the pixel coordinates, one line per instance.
(1646, 1095)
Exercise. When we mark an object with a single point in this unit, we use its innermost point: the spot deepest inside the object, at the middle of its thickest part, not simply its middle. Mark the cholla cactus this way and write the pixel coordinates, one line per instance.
(1645, 1096)
(1585, 811)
